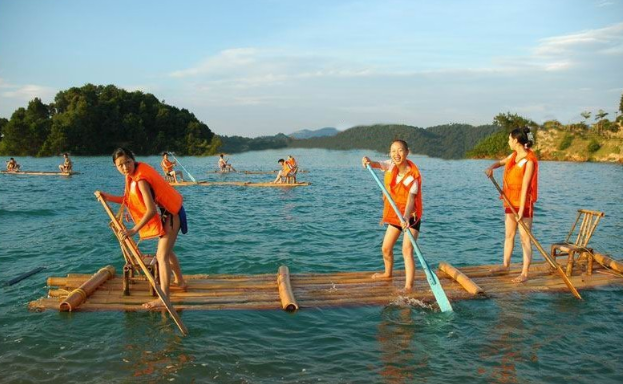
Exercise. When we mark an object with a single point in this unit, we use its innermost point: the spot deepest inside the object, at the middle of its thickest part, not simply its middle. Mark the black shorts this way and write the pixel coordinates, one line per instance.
(413, 223)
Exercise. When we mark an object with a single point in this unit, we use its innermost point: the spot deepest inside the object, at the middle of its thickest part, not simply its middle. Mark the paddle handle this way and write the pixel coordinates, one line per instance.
(189, 175)
(132, 250)
(433, 281)
(547, 257)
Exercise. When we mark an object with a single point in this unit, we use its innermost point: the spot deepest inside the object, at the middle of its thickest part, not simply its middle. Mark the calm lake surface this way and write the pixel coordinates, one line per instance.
(329, 226)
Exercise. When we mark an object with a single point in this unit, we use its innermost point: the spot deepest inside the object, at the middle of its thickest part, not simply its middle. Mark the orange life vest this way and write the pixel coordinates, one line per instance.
(291, 163)
(164, 195)
(285, 169)
(166, 165)
(513, 180)
(400, 193)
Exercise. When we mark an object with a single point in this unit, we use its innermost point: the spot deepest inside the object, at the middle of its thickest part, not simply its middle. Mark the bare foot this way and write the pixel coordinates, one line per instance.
(380, 275)
(154, 304)
(405, 290)
(520, 279)
(500, 268)
(179, 287)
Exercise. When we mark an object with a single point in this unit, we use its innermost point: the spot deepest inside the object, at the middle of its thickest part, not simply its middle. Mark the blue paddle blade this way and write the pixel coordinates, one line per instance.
(433, 281)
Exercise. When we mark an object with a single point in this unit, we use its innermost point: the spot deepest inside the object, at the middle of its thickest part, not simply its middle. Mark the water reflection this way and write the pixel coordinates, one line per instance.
(153, 351)
(402, 359)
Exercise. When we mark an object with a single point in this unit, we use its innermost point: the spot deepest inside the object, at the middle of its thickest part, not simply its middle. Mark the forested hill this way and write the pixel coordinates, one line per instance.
(450, 141)
(94, 120)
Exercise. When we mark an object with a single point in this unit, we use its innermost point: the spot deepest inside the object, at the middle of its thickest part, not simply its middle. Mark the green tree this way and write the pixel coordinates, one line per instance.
(586, 115)
(28, 128)
(593, 146)
(496, 145)
(95, 119)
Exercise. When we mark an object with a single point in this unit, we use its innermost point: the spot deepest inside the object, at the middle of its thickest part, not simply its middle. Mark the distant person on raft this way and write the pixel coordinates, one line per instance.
(521, 170)
(67, 165)
(167, 167)
(146, 190)
(12, 165)
(404, 183)
(224, 166)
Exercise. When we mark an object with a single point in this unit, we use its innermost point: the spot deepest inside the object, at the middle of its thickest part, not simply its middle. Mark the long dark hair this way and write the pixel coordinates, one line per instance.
(122, 152)
(523, 136)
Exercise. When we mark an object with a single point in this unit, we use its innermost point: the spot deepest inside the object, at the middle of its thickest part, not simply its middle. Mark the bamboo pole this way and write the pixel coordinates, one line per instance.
(467, 283)
(536, 243)
(134, 252)
(288, 302)
(79, 295)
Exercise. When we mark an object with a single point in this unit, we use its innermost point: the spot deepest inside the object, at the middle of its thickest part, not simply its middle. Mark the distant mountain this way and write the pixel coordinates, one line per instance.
(307, 134)
(237, 144)
(451, 141)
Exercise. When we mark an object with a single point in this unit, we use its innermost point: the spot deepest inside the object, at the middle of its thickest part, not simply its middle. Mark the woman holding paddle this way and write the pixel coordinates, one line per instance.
(146, 189)
(520, 187)
(404, 183)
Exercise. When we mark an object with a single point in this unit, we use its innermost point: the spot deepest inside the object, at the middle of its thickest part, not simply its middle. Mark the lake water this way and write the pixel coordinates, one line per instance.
(329, 226)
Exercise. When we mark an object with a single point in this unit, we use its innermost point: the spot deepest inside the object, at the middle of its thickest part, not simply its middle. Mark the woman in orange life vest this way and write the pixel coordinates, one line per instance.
(167, 167)
(520, 186)
(146, 189)
(404, 183)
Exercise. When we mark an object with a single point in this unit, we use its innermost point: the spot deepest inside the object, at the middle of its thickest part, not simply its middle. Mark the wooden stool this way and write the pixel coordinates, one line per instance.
(130, 272)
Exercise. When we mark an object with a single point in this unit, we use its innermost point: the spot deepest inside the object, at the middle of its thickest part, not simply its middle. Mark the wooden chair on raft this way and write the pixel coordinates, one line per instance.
(581, 231)
(131, 269)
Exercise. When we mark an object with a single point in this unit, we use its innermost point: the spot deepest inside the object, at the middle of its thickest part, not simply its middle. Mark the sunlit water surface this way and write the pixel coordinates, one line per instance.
(329, 226)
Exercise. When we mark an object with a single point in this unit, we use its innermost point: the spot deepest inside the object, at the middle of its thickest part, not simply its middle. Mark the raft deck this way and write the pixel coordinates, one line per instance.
(239, 184)
(317, 290)
(39, 173)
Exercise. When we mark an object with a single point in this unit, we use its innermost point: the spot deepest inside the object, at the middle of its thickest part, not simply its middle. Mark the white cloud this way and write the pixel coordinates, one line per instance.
(26, 92)
(608, 40)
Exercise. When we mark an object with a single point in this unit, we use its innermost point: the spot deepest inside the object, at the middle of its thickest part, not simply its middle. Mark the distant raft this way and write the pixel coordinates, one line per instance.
(250, 172)
(239, 184)
(39, 173)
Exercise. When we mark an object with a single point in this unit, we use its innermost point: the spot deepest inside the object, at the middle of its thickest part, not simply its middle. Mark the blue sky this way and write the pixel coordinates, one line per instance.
(262, 67)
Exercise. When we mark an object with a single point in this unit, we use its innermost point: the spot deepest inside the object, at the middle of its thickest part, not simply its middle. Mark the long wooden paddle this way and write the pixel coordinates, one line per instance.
(131, 249)
(189, 175)
(547, 257)
(433, 281)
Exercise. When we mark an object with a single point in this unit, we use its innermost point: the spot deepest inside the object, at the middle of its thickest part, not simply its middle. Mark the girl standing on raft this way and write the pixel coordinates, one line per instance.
(520, 187)
(145, 190)
(404, 183)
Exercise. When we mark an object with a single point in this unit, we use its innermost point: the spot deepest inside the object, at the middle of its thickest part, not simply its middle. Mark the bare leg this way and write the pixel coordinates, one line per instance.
(407, 253)
(391, 236)
(509, 242)
(163, 255)
(526, 246)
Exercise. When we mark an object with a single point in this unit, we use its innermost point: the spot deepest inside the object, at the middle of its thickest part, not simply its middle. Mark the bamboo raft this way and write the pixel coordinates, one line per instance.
(39, 173)
(251, 172)
(239, 184)
(104, 290)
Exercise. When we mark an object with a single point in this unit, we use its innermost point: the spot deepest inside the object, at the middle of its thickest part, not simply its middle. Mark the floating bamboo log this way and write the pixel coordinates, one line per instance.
(460, 278)
(608, 262)
(79, 295)
(288, 302)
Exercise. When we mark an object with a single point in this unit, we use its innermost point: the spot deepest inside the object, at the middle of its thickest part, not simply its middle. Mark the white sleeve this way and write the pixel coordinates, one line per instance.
(414, 188)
